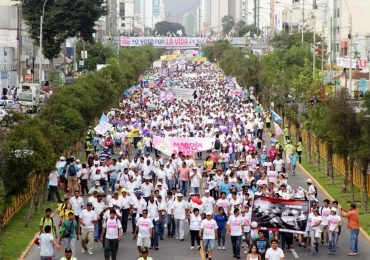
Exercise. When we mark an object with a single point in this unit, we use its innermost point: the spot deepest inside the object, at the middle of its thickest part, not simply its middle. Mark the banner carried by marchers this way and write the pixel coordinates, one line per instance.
(186, 145)
(280, 215)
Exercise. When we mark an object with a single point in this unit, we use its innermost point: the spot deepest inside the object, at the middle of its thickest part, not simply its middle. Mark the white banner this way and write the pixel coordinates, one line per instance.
(103, 127)
(184, 93)
(166, 41)
(186, 145)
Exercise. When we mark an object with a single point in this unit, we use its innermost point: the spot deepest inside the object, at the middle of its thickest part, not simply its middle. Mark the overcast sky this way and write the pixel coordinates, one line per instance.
(177, 8)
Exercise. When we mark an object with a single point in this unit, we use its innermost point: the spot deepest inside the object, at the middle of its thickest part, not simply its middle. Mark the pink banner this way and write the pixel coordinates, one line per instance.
(278, 131)
(186, 145)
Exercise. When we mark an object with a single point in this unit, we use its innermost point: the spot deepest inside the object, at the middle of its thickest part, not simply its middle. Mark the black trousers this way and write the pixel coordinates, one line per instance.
(125, 215)
(54, 189)
(84, 187)
(110, 248)
(194, 235)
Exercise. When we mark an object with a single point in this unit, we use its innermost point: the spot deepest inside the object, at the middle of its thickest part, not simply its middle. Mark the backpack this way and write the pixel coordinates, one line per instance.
(52, 222)
(217, 144)
(72, 170)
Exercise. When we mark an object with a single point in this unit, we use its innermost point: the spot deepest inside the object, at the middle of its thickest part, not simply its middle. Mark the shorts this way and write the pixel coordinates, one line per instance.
(209, 244)
(143, 242)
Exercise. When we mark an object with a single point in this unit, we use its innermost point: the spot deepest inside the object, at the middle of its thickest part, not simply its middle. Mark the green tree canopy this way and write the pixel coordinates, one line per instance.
(168, 29)
(63, 19)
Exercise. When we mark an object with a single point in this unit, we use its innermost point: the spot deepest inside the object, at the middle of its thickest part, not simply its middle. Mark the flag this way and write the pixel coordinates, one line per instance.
(278, 131)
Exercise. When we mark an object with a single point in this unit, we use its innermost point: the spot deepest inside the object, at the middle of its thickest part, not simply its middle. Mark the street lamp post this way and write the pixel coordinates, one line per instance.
(41, 36)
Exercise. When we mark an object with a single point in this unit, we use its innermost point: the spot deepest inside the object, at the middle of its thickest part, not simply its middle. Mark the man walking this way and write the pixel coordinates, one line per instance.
(353, 226)
(178, 212)
(235, 225)
(208, 232)
(87, 220)
(111, 235)
(143, 231)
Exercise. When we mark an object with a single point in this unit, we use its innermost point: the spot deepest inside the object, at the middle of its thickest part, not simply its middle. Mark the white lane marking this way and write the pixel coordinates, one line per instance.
(295, 253)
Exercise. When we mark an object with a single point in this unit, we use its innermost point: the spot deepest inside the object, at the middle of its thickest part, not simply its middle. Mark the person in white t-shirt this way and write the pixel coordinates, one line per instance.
(179, 212)
(278, 163)
(195, 221)
(208, 232)
(53, 187)
(47, 243)
(315, 232)
(274, 252)
(195, 178)
(111, 235)
(235, 226)
(87, 220)
(325, 213)
(143, 231)
(334, 222)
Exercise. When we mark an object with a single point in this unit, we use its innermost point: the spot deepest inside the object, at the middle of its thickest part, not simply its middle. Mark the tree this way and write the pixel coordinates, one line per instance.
(242, 29)
(228, 23)
(169, 29)
(97, 53)
(63, 19)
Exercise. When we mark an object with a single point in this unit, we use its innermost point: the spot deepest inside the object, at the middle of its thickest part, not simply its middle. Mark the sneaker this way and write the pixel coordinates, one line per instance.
(83, 251)
(352, 253)
(191, 248)
(219, 248)
(223, 248)
(198, 247)
(177, 237)
(182, 239)
(330, 253)
(90, 252)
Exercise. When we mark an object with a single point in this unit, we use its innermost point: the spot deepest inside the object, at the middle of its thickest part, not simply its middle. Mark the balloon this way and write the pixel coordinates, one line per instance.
(254, 224)
(194, 199)
(199, 201)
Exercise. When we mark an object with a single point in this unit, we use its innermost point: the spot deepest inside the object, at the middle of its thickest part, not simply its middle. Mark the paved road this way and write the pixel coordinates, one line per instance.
(174, 249)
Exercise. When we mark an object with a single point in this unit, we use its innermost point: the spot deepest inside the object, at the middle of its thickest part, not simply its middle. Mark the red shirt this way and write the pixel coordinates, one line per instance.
(184, 173)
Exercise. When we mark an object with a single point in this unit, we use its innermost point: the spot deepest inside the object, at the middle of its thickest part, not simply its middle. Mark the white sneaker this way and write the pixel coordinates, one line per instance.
(219, 247)
(177, 237)
(90, 252)
(223, 248)
(83, 251)
(192, 248)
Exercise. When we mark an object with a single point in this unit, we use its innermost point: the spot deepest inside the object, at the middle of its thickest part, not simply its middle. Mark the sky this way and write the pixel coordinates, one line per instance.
(177, 8)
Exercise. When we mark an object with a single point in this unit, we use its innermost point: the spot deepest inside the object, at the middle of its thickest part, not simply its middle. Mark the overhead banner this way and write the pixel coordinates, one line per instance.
(186, 145)
(280, 215)
(183, 93)
(186, 42)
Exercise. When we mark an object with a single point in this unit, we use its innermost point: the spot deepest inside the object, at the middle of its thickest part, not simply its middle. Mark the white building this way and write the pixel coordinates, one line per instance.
(219, 9)
(204, 15)
(148, 12)
(126, 16)
(18, 56)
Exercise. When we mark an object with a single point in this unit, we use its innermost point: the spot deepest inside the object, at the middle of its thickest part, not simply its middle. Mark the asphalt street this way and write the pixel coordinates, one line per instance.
(170, 248)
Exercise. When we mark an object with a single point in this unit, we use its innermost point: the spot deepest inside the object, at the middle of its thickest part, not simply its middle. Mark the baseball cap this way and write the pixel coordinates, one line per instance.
(89, 204)
(309, 180)
(334, 209)
(68, 250)
(209, 213)
(179, 195)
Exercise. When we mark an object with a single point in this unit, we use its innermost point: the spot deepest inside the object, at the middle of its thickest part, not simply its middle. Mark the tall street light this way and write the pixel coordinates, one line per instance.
(349, 47)
(41, 36)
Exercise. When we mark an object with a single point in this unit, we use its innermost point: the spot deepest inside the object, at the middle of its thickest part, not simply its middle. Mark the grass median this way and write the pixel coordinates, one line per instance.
(335, 190)
(15, 237)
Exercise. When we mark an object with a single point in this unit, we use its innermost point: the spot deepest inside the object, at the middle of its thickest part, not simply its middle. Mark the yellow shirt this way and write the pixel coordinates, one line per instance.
(208, 164)
(64, 213)
(135, 132)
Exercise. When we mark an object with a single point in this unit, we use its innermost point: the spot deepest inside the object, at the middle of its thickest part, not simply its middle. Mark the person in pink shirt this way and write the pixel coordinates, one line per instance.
(273, 152)
(184, 173)
(214, 158)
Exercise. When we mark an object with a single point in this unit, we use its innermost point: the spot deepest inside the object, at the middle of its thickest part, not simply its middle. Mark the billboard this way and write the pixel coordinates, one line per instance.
(185, 42)
(280, 215)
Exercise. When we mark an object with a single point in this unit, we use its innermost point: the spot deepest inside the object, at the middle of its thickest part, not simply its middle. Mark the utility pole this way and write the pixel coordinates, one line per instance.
(350, 53)
(41, 36)
(314, 46)
(302, 31)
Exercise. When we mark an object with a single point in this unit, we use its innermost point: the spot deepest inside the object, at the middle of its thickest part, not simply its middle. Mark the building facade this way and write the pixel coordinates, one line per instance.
(219, 9)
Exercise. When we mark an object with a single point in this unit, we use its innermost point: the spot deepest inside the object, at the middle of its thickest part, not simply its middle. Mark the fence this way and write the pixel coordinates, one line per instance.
(338, 161)
(18, 201)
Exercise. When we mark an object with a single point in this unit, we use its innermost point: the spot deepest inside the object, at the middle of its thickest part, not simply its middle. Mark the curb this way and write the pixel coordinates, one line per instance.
(328, 195)
(30, 245)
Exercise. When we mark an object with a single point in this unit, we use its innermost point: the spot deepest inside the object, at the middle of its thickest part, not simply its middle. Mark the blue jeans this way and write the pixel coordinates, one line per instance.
(170, 184)
(184, 187)
(112, 183)
(147, 149)
(232, 157)
(221, 233)
(236, 242)
(333, 236)
(354, 240)
(154, 242)
(195, 190)
(161, 226)
(225, 166)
